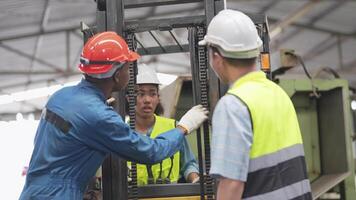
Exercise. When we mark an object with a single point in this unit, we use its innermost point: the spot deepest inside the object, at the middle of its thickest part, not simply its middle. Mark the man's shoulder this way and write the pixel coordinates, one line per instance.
(231, 107)
(230, 101)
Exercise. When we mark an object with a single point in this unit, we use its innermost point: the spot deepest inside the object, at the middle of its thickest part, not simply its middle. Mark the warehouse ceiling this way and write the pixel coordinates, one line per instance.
(40, 40)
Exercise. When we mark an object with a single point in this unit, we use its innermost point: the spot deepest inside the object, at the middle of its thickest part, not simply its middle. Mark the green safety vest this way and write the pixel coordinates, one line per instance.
(277, 168)
(161, 125)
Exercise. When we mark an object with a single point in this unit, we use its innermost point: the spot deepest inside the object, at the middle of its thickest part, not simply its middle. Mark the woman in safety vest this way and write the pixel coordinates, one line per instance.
(183, 163)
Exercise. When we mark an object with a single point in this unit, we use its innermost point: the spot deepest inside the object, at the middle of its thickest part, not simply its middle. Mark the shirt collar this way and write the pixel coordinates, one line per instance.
(85, 83)
(249, 76)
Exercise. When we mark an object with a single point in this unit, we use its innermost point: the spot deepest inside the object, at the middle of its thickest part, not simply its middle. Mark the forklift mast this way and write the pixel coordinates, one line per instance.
(206, 87)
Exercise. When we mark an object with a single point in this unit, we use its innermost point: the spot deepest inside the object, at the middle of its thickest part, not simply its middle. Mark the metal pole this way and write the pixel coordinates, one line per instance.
(68, 51)
(115, 168)
(339, 51)
(196, 97)
(130, 39)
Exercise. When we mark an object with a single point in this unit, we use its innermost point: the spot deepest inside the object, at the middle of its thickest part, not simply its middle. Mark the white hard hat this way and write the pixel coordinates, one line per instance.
(146, 75)
(234, 33)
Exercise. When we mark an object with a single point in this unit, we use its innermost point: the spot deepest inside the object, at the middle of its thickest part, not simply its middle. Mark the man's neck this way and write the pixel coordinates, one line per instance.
(144, 123)
(106, 86)
(234, 73)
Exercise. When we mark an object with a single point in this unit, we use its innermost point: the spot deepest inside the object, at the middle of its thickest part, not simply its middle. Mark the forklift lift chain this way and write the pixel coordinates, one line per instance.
(203, 79)
(130, 39)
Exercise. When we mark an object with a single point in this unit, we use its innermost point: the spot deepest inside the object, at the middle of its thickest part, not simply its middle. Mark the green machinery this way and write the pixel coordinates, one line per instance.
(324, 114)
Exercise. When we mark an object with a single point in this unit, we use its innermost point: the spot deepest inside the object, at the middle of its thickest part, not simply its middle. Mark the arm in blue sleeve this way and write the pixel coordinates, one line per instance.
(113, 135)
(188, 162)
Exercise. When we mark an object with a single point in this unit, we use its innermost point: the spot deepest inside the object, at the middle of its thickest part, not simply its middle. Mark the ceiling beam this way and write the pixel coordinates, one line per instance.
(76, 27)
(44, 20)
(40, 32)
(264, 9)
(26, 55)
(294, 16)
(277, 42)
(323, 46)
(314, 28)
(37, 72)
(149, 3)
(320, 47)
(67, 50)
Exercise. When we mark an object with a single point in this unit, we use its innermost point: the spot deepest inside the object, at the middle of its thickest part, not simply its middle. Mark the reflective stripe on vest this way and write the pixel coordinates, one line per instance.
(161, 125)
(277, 167)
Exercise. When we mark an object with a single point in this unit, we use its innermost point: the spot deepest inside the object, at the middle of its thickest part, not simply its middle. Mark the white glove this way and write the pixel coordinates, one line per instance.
(192, 119)
(111, 101)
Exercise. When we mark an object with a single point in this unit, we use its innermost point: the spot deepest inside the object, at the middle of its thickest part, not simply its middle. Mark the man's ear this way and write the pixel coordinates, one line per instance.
(116, 76)
(219, 60)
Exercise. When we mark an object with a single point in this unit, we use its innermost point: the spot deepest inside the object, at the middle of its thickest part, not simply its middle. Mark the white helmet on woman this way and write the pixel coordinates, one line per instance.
(146, 75)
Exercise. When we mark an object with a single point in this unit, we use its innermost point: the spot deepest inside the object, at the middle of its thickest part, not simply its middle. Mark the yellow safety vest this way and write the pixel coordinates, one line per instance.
(277, 168)
(161, 125)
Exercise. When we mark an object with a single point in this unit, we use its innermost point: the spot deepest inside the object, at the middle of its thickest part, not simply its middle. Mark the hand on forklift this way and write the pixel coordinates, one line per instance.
(192, 119)
(193, 177)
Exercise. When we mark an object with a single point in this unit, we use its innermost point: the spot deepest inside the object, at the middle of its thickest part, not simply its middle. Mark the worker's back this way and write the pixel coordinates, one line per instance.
(62, 159)
(277, 166)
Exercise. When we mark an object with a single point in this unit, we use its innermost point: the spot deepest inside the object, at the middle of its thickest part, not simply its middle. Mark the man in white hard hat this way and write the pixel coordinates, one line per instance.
(181, 165)
(257, 150)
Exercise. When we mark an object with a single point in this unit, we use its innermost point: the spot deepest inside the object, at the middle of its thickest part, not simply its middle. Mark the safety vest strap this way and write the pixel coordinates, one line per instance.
(166, 171)
(289, 159)
(264, 181)
(150, 179)
(298, 191)
(276, 157)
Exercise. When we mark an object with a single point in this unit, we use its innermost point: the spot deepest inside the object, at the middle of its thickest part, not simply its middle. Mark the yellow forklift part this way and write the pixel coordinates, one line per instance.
(175, 198)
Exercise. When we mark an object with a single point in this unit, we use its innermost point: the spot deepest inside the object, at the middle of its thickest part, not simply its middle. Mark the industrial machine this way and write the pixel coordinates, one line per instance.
(323, 126)
(206, 87)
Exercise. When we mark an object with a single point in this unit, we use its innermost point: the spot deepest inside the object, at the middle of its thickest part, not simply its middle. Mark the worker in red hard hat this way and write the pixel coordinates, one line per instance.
(78, 129)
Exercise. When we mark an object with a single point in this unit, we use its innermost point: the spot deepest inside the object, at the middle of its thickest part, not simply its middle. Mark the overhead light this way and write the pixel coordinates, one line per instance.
(353, 104)
(19, 117)
(32, 94)
(31, 117)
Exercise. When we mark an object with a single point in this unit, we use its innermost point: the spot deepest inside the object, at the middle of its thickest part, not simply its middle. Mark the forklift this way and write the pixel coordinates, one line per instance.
(206, 88)
(322, 126)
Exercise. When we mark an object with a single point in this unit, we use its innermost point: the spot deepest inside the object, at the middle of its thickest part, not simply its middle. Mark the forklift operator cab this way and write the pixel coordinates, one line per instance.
(202, 88)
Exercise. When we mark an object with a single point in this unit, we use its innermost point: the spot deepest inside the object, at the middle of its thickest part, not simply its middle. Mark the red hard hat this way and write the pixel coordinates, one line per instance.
(104, 50)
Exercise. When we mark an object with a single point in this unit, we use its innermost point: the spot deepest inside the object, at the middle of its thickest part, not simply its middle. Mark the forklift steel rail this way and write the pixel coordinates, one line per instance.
(206, 88)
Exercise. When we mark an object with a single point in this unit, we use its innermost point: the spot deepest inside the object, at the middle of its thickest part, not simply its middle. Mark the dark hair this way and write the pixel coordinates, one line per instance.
(95, 80)
(98, 80)
(243, 62)
(159, 109)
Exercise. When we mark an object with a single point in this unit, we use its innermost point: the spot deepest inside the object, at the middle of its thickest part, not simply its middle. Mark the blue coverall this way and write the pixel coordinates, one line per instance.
(62, 163)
